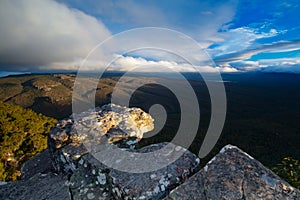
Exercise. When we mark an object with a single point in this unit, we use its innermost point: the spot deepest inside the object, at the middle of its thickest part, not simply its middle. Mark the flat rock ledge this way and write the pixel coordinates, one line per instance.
(233, 174)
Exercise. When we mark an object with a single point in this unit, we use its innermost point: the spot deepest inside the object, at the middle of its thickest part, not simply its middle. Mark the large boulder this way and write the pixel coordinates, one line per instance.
(107, 124)
(233, 174)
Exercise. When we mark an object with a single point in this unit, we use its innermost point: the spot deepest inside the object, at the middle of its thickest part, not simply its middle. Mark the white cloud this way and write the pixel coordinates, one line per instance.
(207, 29)
(292, 68)
(46, 33)
(280, 62)
(241, 58)
(240, 39)
(128, 63)
(227, 69)
(287, 65)
(245, 65)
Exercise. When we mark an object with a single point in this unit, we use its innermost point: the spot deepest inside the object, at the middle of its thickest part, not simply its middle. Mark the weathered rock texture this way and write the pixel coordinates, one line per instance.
(92, 178)
(233, 174)
(70, 140)
(40, 163)
(74, 173)
(41, 186)
(107, 124)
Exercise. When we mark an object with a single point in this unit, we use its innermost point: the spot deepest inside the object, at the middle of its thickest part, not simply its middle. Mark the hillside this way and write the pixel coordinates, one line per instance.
(23, 134)
(49, 94)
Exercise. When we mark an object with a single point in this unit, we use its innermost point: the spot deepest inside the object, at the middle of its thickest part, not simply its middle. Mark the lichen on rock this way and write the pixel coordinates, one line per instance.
(233, 174)
(108, 124)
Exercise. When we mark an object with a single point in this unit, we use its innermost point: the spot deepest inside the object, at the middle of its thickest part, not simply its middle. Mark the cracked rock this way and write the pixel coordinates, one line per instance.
(233, 174)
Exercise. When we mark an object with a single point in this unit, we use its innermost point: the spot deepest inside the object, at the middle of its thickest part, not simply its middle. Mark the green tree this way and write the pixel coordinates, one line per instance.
(289, 169)
(23, 134)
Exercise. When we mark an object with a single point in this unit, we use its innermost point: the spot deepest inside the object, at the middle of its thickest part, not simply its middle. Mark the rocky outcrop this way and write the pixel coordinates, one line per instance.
(69, 139)
(233, 174)
(113, 126)
(70, 168)
(108, 124)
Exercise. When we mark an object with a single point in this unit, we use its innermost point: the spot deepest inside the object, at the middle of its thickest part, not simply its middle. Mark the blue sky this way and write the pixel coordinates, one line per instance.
(240, 36)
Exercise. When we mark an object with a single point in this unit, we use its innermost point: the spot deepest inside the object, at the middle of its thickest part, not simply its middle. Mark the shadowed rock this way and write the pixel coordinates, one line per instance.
(233, 174)
(93, 178)
(40, 163)
(48, 186)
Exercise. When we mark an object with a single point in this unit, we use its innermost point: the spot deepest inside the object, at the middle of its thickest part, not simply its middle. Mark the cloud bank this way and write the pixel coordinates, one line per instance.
(37, 34)
(139, 64)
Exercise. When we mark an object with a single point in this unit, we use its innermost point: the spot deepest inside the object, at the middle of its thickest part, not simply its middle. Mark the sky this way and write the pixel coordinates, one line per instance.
(239, 36)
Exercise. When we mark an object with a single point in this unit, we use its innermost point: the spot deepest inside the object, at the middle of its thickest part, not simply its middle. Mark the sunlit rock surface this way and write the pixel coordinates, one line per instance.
(107, 124)
(70, 139)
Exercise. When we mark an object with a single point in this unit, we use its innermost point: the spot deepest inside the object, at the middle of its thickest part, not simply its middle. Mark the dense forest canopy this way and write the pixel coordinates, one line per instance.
(23, 134)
